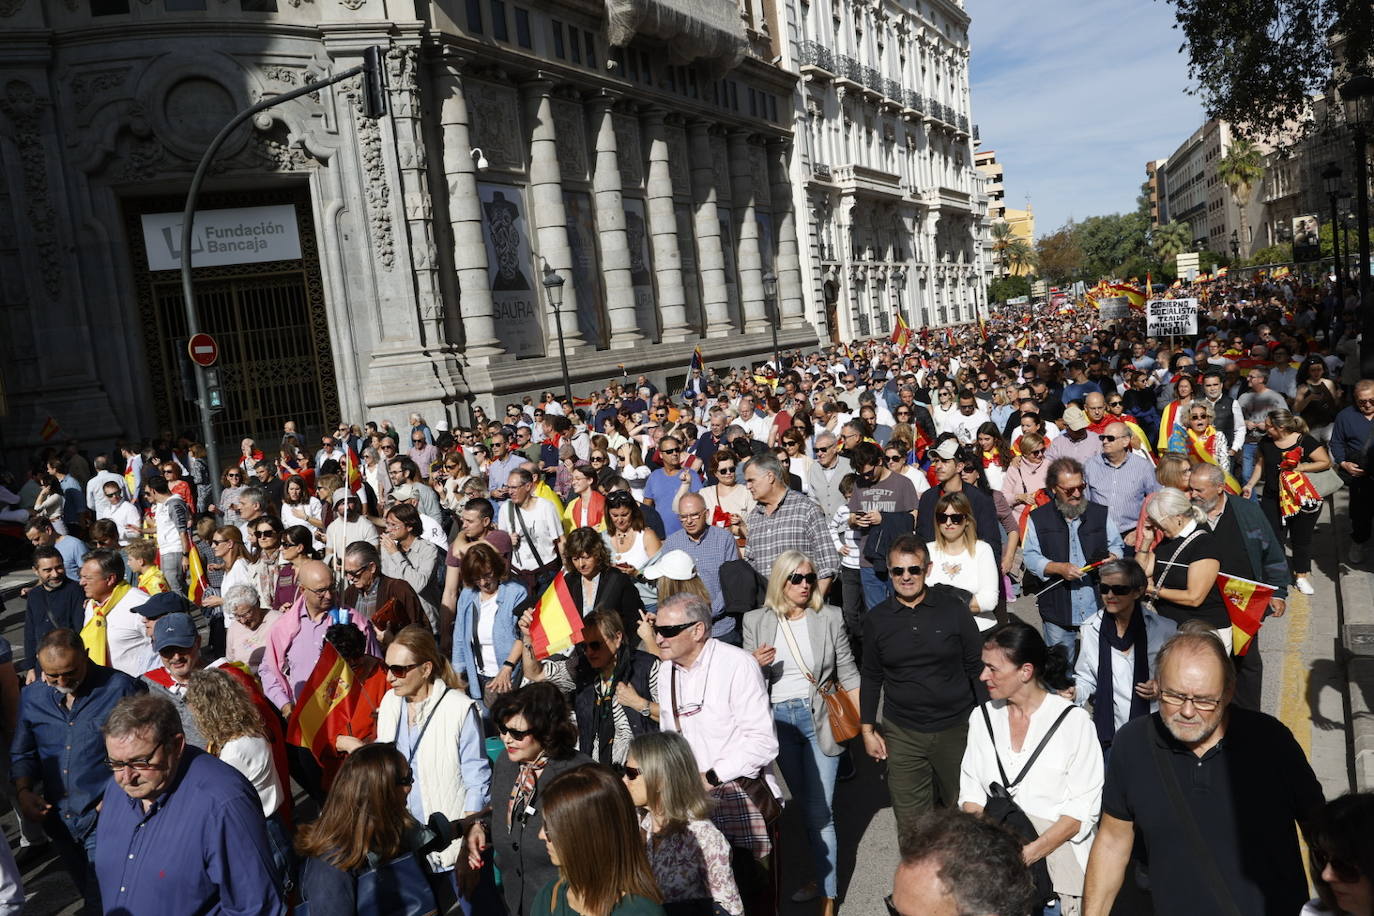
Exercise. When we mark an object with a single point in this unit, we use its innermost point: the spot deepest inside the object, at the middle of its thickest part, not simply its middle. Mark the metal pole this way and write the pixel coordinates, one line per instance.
(1362, 213)
(188, 217)
(777, 360)
(1336, 256)
(562, 350)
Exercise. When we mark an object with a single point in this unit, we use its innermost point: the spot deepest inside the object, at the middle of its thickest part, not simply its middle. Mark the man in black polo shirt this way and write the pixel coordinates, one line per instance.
(1214, 791)
(923, 654)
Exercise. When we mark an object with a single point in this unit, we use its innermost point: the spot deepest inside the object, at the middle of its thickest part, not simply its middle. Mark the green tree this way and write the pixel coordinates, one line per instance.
(1240, 170)
(1258, 64)
(1059, 255)
(1004, 288)
(1018, 257)
(1002, 236)
(1171, 239)
(1280, 254)
(1110, 242)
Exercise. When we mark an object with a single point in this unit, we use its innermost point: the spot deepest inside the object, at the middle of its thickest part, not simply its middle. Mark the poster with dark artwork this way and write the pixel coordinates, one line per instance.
(586, 274)
(1307, 244)
(641, 266)
(515, 301)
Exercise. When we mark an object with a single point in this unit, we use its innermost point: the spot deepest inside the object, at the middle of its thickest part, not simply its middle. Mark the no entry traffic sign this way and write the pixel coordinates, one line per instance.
(203, 350)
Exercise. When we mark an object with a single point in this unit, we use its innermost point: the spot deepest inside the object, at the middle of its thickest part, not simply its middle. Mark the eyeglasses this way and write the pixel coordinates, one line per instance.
(1036, 452)
(669, 451)
(950, 518)
(899, 572)
(1114, 403)
(265, 533)
(1201, 704)
(138, 763)
(798, 578)
(218, 541)
(400, 670)
(1120, 591)
(519, 734)
(669, 630)
(726, 469)
(351, 574)
(597, 459)
(1069, 491)
(318, 591)
(1106, 438)
(232, 477)
(631, 773)
(894, 457)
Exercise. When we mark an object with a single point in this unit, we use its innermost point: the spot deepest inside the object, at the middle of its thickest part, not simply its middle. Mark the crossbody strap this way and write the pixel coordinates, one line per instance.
(524, 530)
(1035, 754)
(796, 655)
(1202, 854)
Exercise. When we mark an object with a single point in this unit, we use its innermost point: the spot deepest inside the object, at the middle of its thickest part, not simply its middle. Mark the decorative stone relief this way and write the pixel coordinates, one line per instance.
(25, 110)
(143, 160)
(279, 156)
(627, 149)
(570, 128)
(9, 7)
(86, 86)
(375, 186)
(352, 4)
(492, 119)
(680, 160)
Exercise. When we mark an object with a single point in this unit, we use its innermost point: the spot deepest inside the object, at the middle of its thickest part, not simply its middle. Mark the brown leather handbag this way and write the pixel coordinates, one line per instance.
(844, 717)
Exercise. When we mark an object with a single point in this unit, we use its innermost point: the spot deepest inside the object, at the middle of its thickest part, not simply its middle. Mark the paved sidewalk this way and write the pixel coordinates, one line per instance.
(1356, 652)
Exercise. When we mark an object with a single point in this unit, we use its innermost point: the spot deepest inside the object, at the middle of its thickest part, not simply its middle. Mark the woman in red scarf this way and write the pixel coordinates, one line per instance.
(992, 448)
(588, 508)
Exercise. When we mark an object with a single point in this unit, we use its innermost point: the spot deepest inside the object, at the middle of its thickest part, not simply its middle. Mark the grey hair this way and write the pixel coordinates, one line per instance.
(242, 595)
(1204, 405)
(254, 495)
(769, 464)
(364, 552)
(1169, 502)
(694, 608)
(1209, 471)
(1128, 570)
(826, 437)
(142, 713)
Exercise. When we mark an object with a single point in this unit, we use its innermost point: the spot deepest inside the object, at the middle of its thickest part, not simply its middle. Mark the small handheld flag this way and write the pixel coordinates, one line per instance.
(1246, 601)
(556, 626)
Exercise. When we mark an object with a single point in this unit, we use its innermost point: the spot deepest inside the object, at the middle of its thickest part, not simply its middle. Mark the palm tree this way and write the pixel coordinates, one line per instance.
(1171, 239)
(1240, 170)
(1018, 257)
(1002, 236)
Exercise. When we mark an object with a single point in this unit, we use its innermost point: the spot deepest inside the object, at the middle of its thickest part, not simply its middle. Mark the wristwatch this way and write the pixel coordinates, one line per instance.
(508, 664)
(648, 705)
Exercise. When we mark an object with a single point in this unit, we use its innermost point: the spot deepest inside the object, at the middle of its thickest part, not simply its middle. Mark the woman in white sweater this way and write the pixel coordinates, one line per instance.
(958, 558)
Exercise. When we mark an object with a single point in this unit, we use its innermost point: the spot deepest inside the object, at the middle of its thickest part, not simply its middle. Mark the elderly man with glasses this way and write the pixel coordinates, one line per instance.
(713, 694)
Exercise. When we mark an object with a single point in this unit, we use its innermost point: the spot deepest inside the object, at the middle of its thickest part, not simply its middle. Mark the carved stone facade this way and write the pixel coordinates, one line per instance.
(402, 208)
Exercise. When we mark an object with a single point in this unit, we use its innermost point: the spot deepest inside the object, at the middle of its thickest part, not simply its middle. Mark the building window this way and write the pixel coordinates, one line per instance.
(499, 30)
(184, 6)
(589, 43)
(109, 7)
(522, 28)
(475, 16)
(575, 46)
(558, 50)
(258, 6)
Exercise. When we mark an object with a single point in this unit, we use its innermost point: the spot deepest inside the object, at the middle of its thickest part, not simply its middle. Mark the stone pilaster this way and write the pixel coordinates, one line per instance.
(549, 216)
(715, 298)
(672, 297)
(791, 306)
(750, 261)
(610, 227)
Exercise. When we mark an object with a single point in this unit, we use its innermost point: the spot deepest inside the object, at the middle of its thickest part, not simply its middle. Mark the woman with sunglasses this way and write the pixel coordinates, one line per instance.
(366, 825)
(540, 742)
(608, 682)
(456, 474)
(631, 540)
(428, 718)
(1343, 857)
(959, 559)
(273, 575)
(801, 643)
(1183, 568)
(727, 500)
(794, 454)
(590, 835)
(1199, 437)
(233, 558)
(1023, 483)
(231, 485)
(1174, 416)
(689, 856)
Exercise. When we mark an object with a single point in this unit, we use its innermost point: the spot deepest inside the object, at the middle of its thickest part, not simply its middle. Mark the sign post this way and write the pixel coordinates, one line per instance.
(203, 350)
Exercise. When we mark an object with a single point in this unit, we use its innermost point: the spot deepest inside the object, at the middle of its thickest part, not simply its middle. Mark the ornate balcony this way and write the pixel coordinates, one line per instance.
(818, 58)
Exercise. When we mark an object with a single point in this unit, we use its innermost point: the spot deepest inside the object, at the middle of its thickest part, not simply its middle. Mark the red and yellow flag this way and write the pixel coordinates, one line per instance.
(1198, 450)
(901, 334)
(354, 470)
(556, 625)
(325, 704)
(1296, 493)
(50, 429)
(197, 583)
(1245, 602)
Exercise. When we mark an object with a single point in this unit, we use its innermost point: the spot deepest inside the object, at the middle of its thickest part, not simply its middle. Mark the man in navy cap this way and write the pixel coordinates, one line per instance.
(178, 649)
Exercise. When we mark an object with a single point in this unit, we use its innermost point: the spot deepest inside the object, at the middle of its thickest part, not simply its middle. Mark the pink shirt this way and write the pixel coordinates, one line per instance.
(722, 710)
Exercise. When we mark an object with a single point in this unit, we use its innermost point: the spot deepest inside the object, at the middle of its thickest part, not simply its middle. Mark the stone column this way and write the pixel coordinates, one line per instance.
(672, 297)
(549, 217)
(750, 261)
(610, 227)
(715, 298)
(465, 215)
(791, 305)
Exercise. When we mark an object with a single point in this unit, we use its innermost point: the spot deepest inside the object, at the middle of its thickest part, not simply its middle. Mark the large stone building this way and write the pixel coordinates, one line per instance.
(884, 165)
(359, 268)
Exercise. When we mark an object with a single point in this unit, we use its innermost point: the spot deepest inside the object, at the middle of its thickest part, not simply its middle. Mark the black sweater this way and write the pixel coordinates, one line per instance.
(923, 661)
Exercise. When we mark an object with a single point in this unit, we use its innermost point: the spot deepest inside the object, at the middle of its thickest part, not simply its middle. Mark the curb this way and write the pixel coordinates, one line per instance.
(1355, 593)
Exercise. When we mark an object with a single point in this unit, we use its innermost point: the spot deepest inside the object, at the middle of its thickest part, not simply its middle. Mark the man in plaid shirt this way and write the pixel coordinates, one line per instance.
(783, 520)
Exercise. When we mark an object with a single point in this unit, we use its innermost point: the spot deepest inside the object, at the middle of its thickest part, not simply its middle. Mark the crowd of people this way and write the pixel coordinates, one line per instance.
(778, 569)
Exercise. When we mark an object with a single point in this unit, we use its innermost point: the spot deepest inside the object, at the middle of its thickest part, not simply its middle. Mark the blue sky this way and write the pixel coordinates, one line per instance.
(1075, 96)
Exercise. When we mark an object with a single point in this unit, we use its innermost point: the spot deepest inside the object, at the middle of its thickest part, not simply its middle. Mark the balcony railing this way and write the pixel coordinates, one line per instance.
(963, 123)
(893, 90)
(873, 79)
(815, 54)
(820, 170)
(975, 132)
(915, 101)
(850, 68)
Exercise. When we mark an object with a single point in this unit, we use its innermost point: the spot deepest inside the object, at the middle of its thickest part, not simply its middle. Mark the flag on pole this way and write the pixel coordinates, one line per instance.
(197, 583)
(556, 625)
(1246, 601)
(901, 334)
(354, 470)
(50, 429)
(697, 364)
(325, 705)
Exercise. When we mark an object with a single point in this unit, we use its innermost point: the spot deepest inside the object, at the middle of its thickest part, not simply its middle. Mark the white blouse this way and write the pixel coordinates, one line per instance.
(978, 575)
(253, 758)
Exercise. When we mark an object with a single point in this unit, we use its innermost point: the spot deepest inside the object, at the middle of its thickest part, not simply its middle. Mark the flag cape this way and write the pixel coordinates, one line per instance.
(325, 704)
(1042, 496)
(1167, 422)
(901, 334)
(1198, 449)
(197, 584)
(1296, 491)
(1246, 601)
(556, 625)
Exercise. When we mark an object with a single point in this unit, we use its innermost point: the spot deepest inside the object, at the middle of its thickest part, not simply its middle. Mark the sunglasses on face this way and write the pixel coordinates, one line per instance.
(1113, 403)
(1120, 591)
(1070, 491)
(668, 631)
(950, 518)
(631, 773)
(1106, 438)
(669, 451)
(799, 578)
(900, 572)
(518, 734)
(726, 469)
(1198, 416)
(265, 533)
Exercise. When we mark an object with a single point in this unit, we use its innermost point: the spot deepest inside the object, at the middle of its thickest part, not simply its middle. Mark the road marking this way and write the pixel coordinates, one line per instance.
(1293, 710)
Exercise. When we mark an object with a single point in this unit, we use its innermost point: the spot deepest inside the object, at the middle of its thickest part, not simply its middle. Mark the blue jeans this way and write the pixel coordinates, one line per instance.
(876, 590)
(1055, 635)
(1247, 463)
(810, 775)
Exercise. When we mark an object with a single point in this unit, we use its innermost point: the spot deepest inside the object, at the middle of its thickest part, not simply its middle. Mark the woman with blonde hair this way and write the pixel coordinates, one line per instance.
(438, 728)
(728, 494)
(959, 559)
(632, 466)
(229, 550)
(1023, 483)
(801, 643)
(1183, 568)
(689, 856)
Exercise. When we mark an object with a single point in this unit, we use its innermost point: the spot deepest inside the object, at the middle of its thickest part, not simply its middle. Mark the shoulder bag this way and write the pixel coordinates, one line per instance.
(1001, 807)
(844, 717)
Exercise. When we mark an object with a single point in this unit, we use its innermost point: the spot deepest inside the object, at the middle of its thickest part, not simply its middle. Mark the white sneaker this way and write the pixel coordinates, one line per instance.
(1356, 553)
(1304, 585)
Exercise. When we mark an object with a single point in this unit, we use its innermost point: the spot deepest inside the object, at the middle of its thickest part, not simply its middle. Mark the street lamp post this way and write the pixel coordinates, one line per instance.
(899, 284)
(1331, 179)
(1357, 94)
(770, 294)
(1235, 245)
(553, 294)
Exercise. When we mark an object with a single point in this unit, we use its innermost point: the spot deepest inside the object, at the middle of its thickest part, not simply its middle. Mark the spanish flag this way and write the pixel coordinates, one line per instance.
(325, 706)
(354, 470)
(1246, 601)
(901, 334)
(50, 429)
(556, 625)
(1199, 450)
(196, 582)
(1168, 423)
(1134, 296)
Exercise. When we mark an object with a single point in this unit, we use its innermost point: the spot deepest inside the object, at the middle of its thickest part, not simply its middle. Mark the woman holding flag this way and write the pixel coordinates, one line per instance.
(1287, 455)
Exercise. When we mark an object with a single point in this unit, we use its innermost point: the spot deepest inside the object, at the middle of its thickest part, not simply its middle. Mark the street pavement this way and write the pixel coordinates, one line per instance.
(1304, 686)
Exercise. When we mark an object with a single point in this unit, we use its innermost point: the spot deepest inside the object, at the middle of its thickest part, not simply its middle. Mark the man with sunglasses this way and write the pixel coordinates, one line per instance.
(1120, 479)
(1187, 781)
(713, 694)
(922, 657)
(879, 508)
(665, 487)
(57, 743)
